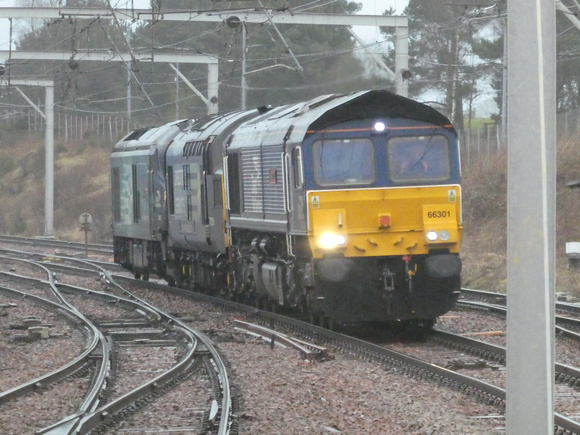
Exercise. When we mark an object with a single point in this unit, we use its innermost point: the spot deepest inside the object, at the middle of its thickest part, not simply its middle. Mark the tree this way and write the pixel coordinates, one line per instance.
(568, 64)
(440, 37)
(491, 50)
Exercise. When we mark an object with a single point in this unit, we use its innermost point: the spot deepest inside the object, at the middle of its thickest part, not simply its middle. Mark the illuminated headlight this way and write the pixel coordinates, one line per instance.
(379, 126)
(431, 236)
(331, 240)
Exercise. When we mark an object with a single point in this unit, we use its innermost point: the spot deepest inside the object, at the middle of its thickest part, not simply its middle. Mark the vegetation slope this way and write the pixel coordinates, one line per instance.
(484, 245)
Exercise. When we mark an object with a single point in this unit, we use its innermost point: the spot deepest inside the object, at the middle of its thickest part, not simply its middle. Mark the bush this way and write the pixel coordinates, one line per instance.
(7, 164)
(19, 226)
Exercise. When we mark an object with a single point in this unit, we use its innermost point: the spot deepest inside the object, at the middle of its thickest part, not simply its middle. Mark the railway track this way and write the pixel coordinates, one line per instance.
(76, 248)
(491, 307)
(111, 397)
(90, 363)
(457, 350)
(421, 367)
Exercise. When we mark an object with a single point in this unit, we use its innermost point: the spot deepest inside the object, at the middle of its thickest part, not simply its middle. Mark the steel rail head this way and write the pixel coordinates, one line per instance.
(36, 241)
(146, 310)
(95, 418)
(483, 294)
(306, 349)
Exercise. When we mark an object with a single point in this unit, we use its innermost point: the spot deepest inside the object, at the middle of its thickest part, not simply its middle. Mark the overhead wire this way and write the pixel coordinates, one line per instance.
(312, 4)
(312, 57)
(319, 5)
(48, 72)
(81, 59)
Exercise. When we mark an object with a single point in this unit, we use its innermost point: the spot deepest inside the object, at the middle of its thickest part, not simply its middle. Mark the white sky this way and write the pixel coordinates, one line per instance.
(370, 7)
(377, 7)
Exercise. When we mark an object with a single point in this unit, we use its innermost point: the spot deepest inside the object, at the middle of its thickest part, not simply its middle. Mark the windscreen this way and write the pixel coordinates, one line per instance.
(344, 161)
(416, 159)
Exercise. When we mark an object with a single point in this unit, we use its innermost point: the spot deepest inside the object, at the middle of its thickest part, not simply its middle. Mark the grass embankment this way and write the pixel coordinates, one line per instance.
(484, 247)
(81, 186)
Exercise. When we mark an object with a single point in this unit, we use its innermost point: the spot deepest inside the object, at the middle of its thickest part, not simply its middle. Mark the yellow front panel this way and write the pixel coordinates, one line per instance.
(386, 221)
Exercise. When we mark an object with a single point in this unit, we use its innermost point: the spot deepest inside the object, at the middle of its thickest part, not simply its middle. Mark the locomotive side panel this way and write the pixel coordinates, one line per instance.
(131, 197)
(133, 238)
(257, 189)
(197, 251)
(195, 208)
(186, 216)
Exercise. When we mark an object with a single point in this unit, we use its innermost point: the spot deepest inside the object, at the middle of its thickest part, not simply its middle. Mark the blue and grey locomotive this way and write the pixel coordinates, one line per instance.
(345, 207)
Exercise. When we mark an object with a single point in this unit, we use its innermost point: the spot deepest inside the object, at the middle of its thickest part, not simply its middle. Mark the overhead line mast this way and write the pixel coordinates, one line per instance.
(400, 23)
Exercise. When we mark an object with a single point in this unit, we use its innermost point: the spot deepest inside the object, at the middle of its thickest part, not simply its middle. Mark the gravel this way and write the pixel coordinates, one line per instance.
(279, 392)
(282, 394)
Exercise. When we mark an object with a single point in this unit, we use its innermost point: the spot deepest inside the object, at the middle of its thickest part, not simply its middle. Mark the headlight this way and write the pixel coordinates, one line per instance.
(331, 240)
(379, 126)
(431, 236)
(442, 235)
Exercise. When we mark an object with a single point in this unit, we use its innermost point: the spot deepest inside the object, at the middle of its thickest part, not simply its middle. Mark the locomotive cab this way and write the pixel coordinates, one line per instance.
(384, 219)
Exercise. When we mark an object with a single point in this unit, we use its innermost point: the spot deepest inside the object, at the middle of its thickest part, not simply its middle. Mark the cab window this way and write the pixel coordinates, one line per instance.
(343, 161)
(415, 159)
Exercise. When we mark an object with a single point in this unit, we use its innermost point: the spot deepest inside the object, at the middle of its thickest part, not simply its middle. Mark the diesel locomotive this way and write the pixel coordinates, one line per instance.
(346, 207)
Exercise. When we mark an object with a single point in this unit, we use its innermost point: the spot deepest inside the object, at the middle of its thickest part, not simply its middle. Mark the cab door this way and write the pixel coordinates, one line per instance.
(295, 192)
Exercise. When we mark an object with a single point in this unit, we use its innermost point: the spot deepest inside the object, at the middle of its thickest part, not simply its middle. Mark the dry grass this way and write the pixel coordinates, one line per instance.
(81, 185)
(484, 244)
(567, 213)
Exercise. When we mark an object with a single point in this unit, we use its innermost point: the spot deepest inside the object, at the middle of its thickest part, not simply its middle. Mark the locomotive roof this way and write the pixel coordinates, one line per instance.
(215, 125)
(377, 104)
(146, 137)
(296, 121)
